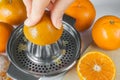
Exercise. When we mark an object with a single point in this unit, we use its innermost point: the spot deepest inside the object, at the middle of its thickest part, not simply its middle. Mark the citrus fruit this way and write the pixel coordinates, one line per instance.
(106, 32)
(44, 32)
(12, 11)
(5, 32)
(96, 66)
(4, 64)
(84, 13)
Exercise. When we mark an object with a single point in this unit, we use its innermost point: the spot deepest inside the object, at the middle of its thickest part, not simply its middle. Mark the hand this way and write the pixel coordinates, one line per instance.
(36, 8)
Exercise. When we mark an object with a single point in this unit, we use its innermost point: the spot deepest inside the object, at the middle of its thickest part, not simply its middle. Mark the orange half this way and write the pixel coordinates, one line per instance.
(96, 66)
(43, 33)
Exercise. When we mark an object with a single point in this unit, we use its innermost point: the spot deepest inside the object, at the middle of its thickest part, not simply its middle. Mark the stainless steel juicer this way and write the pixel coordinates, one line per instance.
(49, 60)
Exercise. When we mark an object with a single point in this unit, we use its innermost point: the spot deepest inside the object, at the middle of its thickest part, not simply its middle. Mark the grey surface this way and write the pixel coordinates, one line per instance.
(103, 7)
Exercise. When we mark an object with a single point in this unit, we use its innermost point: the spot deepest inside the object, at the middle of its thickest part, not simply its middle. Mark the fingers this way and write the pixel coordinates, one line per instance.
(38, 8)
(28, 4)
(58, 11)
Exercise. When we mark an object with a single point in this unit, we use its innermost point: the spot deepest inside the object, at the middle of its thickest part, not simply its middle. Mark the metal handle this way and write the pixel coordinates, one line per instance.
(69, 20)
(19, 75)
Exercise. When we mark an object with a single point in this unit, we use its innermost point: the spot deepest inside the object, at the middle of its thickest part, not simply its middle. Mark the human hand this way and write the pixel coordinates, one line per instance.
(36, 8)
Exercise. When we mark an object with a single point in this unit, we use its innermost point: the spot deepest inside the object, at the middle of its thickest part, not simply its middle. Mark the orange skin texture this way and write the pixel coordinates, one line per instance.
(5, 32)
(13, 12)
(84, 13)
(43, 33)
(106, 32)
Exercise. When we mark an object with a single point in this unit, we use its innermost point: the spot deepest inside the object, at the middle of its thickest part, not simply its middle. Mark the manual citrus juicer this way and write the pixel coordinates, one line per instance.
(36, 61)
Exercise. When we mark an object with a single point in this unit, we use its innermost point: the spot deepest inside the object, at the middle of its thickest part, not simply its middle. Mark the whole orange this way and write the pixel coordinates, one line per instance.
(5, 32)
(106, 32)
(44, 32)
(84, 13)
(12, 11)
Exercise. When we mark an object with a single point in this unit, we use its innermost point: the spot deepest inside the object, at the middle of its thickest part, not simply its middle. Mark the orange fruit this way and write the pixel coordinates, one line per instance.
(96, 66)
(5, 32)
(106, 32)
(4, 65)
(84, 13)
(44, 32)
(12, 11)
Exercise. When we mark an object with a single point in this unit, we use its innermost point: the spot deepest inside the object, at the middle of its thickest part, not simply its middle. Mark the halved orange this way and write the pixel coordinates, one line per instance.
(43, 33)
(96, 66)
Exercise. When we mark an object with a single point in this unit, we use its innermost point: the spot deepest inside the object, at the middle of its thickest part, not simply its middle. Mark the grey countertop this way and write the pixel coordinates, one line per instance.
(103, 7)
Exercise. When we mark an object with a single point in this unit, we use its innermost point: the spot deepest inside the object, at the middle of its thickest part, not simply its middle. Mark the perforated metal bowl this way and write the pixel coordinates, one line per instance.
(17, 51)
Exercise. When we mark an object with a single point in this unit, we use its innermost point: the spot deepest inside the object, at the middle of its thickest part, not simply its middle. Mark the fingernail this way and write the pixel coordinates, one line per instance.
(27, 22)
(58, 23)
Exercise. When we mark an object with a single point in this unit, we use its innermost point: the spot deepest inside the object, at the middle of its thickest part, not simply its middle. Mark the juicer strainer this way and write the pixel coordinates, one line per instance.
(45, 60)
